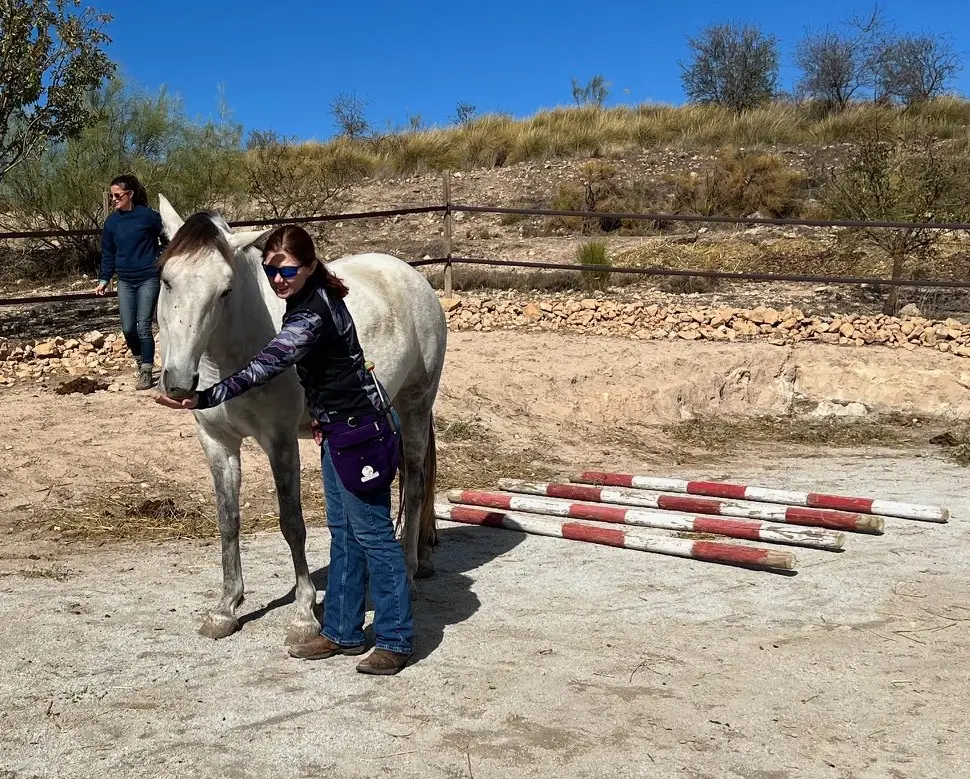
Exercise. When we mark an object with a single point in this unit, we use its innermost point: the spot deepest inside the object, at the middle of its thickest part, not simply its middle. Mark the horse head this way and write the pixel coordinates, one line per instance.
(198, 273)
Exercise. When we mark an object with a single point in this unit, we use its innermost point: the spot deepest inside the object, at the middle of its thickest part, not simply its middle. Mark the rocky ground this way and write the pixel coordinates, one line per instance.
(96, 354)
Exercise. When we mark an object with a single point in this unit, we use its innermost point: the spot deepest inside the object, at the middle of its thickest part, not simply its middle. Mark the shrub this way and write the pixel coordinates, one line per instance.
(594, 253)
(739, 184)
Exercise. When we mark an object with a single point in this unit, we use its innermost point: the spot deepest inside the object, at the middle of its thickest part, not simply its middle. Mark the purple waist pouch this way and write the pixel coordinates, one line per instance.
(365, 452)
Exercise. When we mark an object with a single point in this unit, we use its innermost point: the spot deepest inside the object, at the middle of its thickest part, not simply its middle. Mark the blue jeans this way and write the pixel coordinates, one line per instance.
(362, 542)
(136, 301)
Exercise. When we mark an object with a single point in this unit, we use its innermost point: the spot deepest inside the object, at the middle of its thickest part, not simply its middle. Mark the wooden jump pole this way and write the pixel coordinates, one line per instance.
(661, 520)
(708, 551)
(716, 489)
(833, 520)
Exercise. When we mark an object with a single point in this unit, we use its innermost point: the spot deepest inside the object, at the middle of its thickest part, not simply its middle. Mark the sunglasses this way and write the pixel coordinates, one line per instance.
(287, 271)
(122, 196)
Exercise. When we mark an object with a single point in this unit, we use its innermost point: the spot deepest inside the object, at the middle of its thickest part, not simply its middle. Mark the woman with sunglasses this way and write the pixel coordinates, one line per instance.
(130, 245)
(354, 424)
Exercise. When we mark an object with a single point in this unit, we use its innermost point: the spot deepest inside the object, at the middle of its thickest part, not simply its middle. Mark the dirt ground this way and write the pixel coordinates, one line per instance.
(536, 657)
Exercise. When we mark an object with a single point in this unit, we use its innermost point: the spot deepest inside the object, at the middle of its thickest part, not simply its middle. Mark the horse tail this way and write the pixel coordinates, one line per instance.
(428, 532)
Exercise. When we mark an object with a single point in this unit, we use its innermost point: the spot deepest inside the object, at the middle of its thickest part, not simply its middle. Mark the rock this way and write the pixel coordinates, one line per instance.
(910, 309)
(829, 408)
(589, 304)
(532, 311)
(689, 335)
(847, 330)
(47, 350)
(829, 338)
(450, 304)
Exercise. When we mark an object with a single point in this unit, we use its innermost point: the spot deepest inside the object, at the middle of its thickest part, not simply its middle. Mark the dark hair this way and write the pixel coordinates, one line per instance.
(297, 242)
(138, 195)
(197, 233)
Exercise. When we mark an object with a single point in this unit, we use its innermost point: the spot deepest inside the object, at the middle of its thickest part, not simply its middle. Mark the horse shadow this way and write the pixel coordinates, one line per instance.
(445, 599)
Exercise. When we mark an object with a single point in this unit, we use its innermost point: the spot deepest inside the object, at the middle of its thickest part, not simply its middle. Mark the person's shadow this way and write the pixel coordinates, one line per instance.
(447, 598)
(444, 599)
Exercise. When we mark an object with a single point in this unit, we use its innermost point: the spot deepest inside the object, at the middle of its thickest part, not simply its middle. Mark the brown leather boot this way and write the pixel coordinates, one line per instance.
(383, 662)
(321, 647)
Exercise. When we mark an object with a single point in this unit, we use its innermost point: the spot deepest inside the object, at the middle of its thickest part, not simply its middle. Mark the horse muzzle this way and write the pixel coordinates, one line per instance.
(179, 385)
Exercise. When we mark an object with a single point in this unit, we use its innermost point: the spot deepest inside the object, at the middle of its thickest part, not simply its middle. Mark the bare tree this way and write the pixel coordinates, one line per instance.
(732, 65)
(912, 180)
(349, 113)
(912, 69)
(50, 57)
(836, 65)
(593, 93)
(831, 72)
(464, 112)
(287, 178)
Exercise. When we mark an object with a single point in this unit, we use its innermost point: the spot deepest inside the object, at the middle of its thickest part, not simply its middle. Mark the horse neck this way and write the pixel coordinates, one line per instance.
(251, 319)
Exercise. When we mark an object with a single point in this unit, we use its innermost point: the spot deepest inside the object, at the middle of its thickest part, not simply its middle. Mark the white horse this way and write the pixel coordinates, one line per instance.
(216, 311)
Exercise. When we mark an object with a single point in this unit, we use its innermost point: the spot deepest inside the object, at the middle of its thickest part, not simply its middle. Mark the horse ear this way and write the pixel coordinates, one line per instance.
(171, 221)
(239, 241)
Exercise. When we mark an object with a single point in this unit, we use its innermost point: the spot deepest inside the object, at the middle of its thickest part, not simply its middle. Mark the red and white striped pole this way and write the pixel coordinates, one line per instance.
(708, 551)
(716, 489)
(662, 520)
(833, 520)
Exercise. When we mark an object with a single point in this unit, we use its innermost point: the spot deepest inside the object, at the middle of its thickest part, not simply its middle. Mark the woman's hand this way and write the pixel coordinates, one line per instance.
(101, 288)
(180, 405)
(316, 431)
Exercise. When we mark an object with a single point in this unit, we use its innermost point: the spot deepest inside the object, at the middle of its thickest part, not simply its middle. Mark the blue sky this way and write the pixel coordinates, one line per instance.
(281, 63)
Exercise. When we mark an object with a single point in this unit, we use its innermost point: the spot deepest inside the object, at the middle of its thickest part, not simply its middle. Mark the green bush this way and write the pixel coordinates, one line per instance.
(195, 164)
(594, 253)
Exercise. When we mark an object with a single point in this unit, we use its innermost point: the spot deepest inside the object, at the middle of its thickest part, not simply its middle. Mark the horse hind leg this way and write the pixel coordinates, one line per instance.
(428, 528)
(223, 459)
(284, 457)
(419, 476)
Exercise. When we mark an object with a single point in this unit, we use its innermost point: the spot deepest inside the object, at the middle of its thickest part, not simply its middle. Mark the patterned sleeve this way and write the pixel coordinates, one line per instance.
(297, 337)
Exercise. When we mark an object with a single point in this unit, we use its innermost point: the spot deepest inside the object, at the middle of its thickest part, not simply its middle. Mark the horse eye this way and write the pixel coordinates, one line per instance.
(226, 293)
(167, 284)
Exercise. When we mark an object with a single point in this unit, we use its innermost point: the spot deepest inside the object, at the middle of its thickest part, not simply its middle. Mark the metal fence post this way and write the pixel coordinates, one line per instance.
(446, 186)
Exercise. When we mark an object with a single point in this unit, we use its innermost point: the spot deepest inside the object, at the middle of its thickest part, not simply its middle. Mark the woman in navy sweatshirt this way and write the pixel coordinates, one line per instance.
(130, 246)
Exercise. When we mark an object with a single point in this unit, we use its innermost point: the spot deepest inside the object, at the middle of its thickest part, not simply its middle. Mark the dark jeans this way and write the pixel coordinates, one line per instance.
(137, 301)
(362, 547)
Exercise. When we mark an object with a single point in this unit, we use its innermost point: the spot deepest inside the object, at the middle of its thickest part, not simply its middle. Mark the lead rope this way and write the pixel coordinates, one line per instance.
(399, 522)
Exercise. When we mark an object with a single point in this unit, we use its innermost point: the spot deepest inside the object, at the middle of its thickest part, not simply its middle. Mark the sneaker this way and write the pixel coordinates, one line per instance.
(383, 662)
(321, 647)
(145, 378)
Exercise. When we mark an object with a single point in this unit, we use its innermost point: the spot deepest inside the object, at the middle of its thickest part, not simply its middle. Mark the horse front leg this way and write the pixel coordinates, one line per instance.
(284, 458)
(223, 458)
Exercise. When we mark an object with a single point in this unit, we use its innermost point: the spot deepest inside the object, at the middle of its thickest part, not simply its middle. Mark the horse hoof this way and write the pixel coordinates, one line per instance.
(425, 570)
(218, 626)
(302, 631)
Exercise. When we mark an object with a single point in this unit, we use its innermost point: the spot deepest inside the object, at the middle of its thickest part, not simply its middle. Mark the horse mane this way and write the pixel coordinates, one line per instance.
(198, 233)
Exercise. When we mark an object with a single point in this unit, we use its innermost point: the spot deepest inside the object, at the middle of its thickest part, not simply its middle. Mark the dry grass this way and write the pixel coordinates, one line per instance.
(106, 516)
(718, 434)
(956, 445)
(470, 456)
(54, 572)
(496, 140)
(168, 511)
(473, 277)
